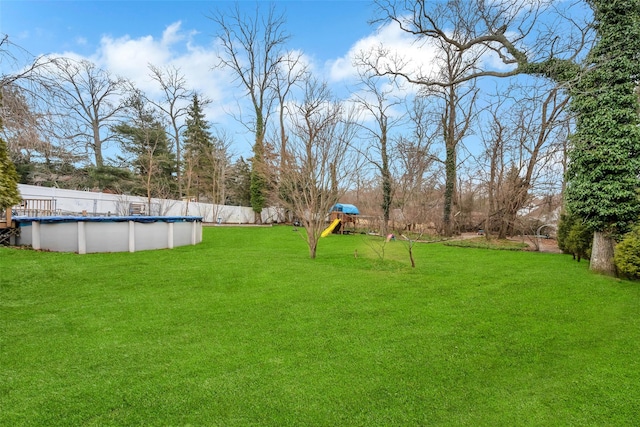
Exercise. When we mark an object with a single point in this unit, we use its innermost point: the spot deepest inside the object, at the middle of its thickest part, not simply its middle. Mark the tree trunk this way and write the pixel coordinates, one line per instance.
(386, 200)
(413, 261)
(313, 246)
(449, 191)
(602, 254)
(178, 158)
(504, 225)
(97, 144)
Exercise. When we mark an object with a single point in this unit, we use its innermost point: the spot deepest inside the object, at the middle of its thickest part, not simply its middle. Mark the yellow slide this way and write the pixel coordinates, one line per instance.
(330, 228)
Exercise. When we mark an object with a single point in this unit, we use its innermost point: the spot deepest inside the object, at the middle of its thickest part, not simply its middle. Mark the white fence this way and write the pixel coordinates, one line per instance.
(71, 202)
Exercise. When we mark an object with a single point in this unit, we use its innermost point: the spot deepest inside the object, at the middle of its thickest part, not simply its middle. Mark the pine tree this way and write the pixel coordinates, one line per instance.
(206, 159)
(604, 168)
(153, 161)
(197, 141)
(238, 184)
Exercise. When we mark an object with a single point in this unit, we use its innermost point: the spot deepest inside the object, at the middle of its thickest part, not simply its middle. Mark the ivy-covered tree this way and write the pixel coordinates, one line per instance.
(604, 168)
(259, 181)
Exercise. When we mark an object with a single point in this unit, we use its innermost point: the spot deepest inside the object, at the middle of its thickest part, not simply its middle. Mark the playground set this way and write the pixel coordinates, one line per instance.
(341, 217)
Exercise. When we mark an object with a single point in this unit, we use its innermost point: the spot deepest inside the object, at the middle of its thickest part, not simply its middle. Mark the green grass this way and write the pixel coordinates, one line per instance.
(244, 329)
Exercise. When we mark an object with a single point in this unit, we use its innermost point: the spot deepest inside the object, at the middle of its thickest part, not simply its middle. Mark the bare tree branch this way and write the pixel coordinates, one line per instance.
(319, 160)
(89, 99)
(174, 105)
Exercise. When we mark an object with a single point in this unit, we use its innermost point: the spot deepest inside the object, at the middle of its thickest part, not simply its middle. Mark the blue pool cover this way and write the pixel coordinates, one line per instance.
(27, 220)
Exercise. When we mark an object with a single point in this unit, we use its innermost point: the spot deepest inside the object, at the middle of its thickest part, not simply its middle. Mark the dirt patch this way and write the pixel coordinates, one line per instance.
(548, 245)
(545, 245)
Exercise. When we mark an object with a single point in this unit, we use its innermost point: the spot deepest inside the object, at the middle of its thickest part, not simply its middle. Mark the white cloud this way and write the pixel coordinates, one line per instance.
(399, 45)
(130, 58)
(420, 58)
(172, 35)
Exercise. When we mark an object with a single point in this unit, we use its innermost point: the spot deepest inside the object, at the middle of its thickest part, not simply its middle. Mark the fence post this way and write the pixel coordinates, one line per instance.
(132, 237)
(82, 238)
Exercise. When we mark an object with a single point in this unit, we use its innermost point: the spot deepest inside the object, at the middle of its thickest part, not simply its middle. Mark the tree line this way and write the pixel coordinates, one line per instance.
(528, 105)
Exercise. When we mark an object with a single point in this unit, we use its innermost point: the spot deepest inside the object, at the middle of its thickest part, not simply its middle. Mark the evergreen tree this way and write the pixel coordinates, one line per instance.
(206, 158)
(197, 141)
(239, 183)
(114, 179)
(604, 169)
(627, 255)
(152, 159)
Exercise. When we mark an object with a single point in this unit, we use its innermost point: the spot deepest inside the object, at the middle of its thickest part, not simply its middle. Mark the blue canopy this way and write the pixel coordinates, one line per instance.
(345, 208)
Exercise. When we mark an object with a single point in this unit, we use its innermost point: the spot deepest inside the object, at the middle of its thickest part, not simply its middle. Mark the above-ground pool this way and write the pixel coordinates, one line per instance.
(108, 234)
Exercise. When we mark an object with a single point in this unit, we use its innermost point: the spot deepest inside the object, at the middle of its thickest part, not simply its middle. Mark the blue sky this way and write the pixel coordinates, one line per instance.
(125, 36)
(324, 29)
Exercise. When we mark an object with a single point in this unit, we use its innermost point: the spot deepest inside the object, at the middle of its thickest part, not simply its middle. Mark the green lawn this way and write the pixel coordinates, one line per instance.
(245, 329)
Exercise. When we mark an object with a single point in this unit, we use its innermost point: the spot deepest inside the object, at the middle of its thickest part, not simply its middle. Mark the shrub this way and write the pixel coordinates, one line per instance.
(574, 237)
(564, 226)
(627, 255)
(579, 241)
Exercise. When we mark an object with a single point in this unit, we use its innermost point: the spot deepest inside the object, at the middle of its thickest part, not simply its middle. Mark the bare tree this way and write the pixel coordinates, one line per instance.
(27, 121)
(377, 103)
(207, 186)
(495, 144)
(289, 74)
(253, 49)
(457, 115)
(88, 101)
(416, 171)
(467, 33)
(510, 30)
(174, 104)
(15, 57)
(446, 79)
(525, 142)
(319, 160)
(417, 167)
(39, 156)
(218, 156)
(24, 128)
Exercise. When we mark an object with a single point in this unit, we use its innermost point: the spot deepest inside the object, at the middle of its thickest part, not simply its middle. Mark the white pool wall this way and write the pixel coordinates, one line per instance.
(85, 235)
